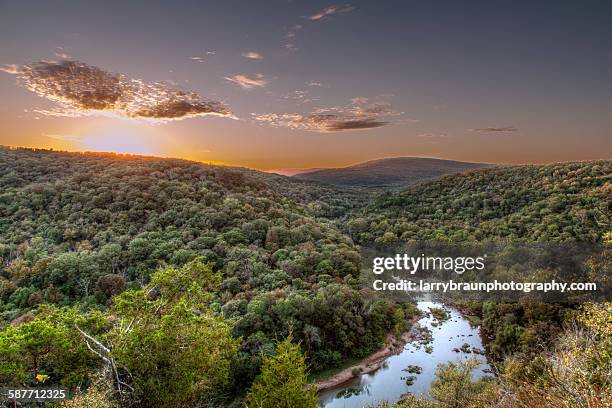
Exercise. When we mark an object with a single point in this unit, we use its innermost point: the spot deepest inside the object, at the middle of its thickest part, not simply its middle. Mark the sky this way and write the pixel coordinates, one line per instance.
(299, 84)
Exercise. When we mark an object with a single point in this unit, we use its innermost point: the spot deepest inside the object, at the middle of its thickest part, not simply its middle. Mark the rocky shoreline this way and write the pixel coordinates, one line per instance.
(393, 345)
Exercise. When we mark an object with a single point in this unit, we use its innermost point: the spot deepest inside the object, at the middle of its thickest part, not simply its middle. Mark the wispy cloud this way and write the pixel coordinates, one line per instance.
(293, 31)
(252, 55)
(321, 15)
(248, 81)
(360, 100)
(334, 119)
(81, 89)
(328, 11)
(60, 52)
(301, 96)
(314, 83)
(202, 58)
(10, 68)
(494, 129)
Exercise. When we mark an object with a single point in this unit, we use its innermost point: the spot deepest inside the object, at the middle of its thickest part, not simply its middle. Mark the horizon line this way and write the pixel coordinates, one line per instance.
(274, 170)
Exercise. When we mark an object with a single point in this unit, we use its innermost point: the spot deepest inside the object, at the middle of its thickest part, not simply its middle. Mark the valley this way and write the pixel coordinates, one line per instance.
(255, 263)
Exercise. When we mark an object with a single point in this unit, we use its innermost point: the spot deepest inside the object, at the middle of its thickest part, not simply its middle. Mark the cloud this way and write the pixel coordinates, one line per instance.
(495, 129)
(248, 81)
(292, 33)
(328, 11)
(81, 89)
(201, 59)
(321, 15)
(10, 68)
(334, 119)
(360, 100)
(300, 96)
(314, 83)
(252, 55)
(60, 52)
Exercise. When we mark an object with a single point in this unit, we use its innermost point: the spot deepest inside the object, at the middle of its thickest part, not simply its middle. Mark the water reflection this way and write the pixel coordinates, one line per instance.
(389, 383)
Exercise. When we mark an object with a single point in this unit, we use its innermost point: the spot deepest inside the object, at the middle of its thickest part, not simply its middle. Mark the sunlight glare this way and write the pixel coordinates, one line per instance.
(120, 139)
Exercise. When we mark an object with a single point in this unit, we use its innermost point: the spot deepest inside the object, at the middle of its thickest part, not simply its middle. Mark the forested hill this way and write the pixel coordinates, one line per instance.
(389, 173)
(564, 201)
(230, 259)
(80, 229)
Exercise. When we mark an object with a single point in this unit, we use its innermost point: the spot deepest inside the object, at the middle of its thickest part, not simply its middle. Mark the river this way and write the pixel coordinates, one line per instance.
(389, 384)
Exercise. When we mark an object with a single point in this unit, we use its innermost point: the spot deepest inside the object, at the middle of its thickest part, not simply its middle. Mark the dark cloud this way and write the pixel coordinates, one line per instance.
(81, 89)
(495, 129)
(353, 124)
(334, 119)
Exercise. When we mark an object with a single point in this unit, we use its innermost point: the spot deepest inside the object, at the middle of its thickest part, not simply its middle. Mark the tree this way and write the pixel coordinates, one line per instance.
(283, 380)
(111, 284)
(173, 347)
(49, 346)
(453, 386)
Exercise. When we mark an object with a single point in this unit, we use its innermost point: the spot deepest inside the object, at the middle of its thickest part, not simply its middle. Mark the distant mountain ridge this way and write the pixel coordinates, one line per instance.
(389, 173)
(290, 172)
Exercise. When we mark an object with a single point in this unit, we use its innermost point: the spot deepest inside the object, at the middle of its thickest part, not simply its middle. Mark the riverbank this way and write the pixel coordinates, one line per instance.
(430, 342)
(392, 345)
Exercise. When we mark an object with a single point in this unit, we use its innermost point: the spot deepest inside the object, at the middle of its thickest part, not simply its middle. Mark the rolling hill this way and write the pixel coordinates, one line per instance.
(79, 229)
(553, 202)
(244, 257)
(390, 173)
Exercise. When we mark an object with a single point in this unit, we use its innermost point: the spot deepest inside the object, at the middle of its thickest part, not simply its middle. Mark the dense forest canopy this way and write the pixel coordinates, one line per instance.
(556, 202)
(124, 248)
(79, 229)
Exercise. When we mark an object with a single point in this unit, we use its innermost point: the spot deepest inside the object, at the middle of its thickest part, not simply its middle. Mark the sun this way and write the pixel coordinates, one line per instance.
(122, 138)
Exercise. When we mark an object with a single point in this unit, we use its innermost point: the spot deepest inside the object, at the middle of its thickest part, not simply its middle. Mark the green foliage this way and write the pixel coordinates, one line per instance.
(189, 271)
(453, 386)
(389, 173)
(574, 373)
(518, 327)
(175, 348)
(556, 202)
(282, 382)
(48, 345)
(80, 229)
(167, 344)
(439, 313)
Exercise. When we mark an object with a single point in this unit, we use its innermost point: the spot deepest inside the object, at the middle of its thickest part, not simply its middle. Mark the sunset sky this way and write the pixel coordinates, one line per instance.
(298, 84)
